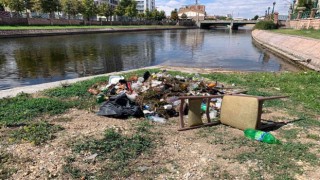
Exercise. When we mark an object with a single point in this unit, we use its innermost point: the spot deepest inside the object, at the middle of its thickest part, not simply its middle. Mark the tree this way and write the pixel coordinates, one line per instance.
(141, 16)
(50, 6)
(255, 17)
(305, 3)
(148, 14)
(16, 5)
(184, 16)
(105, 10)
(174, 15)
(70, 7)
(1, 7)
(131, 10)
(88, 9)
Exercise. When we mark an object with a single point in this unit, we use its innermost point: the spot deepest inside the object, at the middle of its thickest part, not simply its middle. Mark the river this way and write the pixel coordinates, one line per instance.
(36, 60)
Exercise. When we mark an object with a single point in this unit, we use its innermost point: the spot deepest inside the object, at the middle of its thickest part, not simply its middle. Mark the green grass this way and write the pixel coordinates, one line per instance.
(305, 33)
(279, 160)
(24, 108)
(120, 150)
(78, 27)
(6, 170)
(36, 133)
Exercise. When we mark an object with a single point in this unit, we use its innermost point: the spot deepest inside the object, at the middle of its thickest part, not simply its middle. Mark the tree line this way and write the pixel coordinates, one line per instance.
(88, 8)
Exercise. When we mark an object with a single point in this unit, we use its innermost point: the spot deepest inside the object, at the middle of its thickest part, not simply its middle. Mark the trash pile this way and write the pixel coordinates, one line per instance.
(154, 96)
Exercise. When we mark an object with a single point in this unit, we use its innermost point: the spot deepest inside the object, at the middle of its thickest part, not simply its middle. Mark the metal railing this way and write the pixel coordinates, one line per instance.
(305, 14)
(317, 15)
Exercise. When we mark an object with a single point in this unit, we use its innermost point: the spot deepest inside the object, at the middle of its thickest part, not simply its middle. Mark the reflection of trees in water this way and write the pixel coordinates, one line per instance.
(265, 58)
(2, 60)
(192, 38)
(39, 62)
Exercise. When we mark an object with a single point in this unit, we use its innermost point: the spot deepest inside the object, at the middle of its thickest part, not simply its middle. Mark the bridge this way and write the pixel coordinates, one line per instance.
(233, 24)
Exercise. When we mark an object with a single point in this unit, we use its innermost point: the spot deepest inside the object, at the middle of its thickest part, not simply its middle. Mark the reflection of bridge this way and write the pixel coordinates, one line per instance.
(234, 24)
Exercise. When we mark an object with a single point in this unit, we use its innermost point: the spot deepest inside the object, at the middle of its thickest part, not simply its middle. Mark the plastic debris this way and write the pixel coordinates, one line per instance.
(154, 96)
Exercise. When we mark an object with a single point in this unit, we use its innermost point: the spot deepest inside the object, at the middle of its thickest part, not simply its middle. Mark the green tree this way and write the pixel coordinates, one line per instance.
(305, 3)
(50, 6)
(36, 5)
(105, 10)
(131, 10)
(174, 15)
(162, 15)
(16, 5)
(255, 17)
(1, 6)
(88, 9)
(148, 14)
(184, 16)
(70, 7)
(141, 16)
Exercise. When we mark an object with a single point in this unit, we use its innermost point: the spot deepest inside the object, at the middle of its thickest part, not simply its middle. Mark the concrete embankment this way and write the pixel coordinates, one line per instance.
(53, 32)
(301, 50)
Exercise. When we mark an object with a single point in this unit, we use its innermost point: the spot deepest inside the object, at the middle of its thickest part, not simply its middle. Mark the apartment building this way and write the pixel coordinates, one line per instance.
(112, 3)
(143, 5)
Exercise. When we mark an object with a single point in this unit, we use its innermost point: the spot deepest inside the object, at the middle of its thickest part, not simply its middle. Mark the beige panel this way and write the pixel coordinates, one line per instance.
(194, 114)
(240, 112)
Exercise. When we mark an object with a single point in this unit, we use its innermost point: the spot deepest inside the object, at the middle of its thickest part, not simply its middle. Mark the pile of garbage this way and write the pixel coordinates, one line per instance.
(154, 96)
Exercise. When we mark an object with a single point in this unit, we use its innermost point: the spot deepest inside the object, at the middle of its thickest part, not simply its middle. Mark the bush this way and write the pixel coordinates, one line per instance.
(265, 25)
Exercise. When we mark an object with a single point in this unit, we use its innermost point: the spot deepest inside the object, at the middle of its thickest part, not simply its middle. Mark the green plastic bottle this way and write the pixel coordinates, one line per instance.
(261, 136)
(100, 98)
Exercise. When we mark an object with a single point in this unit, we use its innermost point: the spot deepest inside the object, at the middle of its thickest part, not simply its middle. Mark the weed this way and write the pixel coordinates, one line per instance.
(5, 169)
(37, 133)
(79, 89)
(290, 134)
(280, 160)
(118, 149)
(313, 136)
(24, 108)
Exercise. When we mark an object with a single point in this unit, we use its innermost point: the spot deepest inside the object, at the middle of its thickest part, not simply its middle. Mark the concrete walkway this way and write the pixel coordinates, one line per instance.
(302, 50)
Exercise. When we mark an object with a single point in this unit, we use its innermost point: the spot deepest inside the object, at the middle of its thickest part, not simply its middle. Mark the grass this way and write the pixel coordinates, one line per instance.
(305, 32)
(24, 108)
(118, 149)
(36, 133)
(279, 160)
(5, 169)
(78, 27)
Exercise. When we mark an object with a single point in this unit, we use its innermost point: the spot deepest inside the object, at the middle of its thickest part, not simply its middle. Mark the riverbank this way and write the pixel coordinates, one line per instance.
(70, 31)
(301, 50)
(58, 135)
(40, 87)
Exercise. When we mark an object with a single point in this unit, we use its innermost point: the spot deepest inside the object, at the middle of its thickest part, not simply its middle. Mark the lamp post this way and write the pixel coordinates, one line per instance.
(294, 2)
(274, 3)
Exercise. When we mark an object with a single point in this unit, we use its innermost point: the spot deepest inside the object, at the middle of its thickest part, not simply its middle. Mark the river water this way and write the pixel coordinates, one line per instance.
(35, 60)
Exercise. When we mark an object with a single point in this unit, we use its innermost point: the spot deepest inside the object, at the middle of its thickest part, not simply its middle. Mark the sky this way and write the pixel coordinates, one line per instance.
(237, 8)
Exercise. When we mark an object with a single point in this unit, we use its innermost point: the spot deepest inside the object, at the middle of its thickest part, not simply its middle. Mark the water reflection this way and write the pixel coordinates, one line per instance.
(25, 61)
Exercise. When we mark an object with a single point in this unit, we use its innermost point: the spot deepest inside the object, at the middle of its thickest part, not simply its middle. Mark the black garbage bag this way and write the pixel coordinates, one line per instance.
(120, 106)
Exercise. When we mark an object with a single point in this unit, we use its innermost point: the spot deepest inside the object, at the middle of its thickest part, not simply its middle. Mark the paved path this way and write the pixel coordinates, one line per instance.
(303, 50)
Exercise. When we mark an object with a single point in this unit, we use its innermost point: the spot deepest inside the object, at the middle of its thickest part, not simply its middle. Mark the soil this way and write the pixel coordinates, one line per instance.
(178, 155)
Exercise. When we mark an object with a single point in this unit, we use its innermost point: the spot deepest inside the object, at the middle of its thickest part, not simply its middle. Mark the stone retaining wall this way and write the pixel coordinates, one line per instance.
(302, 50)
(51, 32)
(305, 24)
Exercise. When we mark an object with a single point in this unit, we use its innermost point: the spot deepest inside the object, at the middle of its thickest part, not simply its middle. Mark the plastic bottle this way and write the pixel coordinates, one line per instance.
(100, 98)
(261, 136)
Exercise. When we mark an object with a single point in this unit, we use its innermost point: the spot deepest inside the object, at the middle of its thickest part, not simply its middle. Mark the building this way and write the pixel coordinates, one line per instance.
(112, 3)
(195, 12)
(143, 5)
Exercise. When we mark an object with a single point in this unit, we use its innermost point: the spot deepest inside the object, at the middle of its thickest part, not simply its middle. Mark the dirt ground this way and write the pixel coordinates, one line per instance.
(178, 155)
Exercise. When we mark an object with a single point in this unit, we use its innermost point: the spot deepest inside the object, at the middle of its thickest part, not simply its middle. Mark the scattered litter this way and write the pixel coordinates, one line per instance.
(154, 96)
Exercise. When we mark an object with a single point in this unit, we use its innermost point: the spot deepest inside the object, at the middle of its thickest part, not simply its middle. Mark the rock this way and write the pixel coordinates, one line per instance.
(92, 157)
